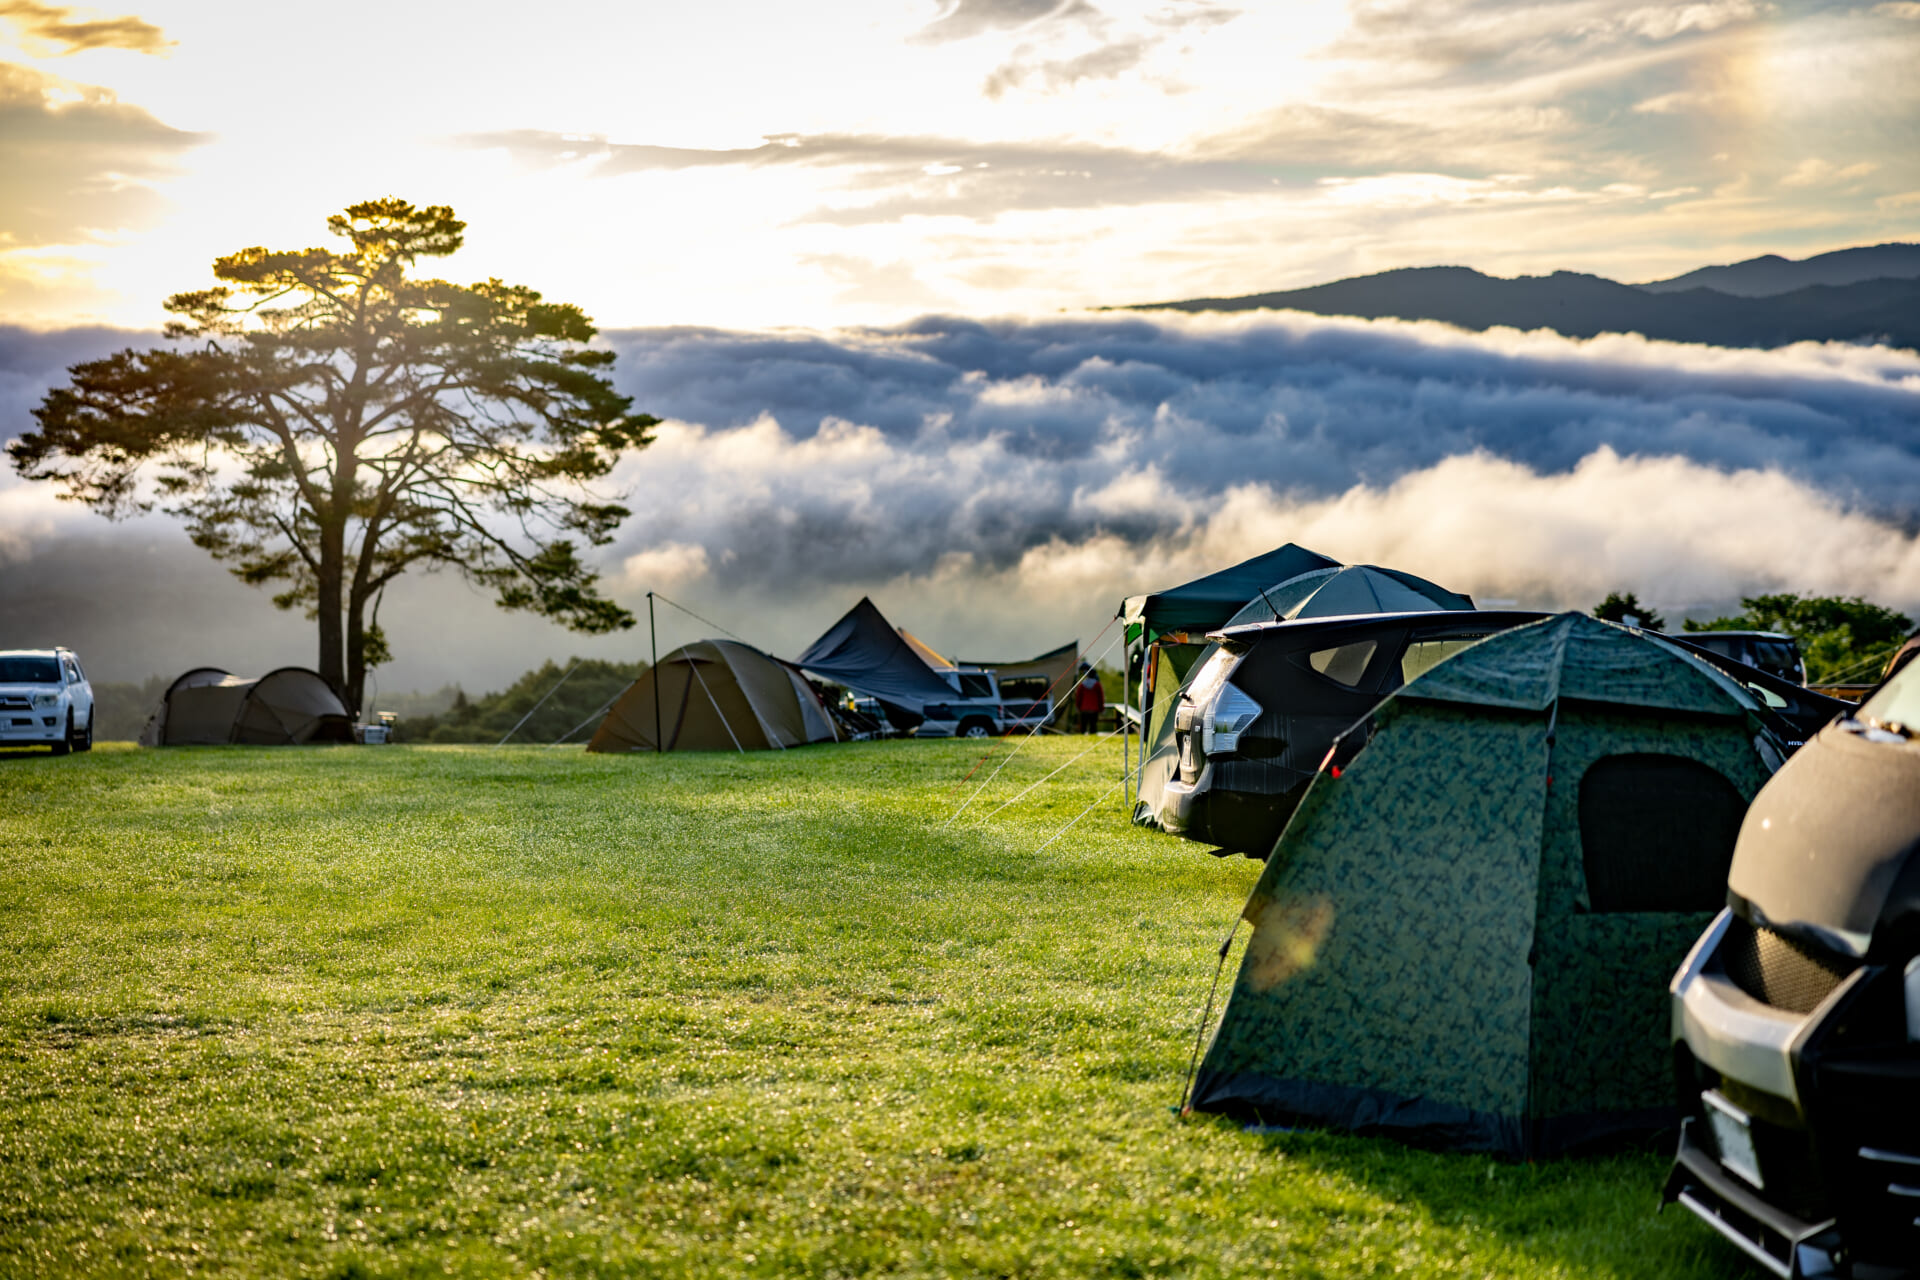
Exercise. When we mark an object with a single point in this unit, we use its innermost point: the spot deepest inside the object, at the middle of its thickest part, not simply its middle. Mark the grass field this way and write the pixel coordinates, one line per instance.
(356, 1012)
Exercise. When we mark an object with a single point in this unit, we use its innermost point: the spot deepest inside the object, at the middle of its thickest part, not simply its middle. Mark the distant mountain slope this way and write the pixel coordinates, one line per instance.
(1770, 275)
(1581, 306)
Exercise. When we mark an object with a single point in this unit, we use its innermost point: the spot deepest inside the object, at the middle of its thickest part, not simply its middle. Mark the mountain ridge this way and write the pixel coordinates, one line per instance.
(1770, 274)
(1876, 309)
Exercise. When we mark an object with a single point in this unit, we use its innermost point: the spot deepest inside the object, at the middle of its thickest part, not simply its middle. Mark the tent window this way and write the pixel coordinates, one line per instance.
(1346, 664)
(1422, 655)
(1657, 833)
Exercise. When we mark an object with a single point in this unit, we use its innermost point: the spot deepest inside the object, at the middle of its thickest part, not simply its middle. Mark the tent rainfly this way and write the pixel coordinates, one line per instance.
(715, 695)
(1463, 939)
(863, 652)
(208, 707)
(1359, 588)
(1203, 605)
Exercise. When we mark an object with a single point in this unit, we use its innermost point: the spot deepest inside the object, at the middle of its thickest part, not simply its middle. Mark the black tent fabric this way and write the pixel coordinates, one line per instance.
(863, 652)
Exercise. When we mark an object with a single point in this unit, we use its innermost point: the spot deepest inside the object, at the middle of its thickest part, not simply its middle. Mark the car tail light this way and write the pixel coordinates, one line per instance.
(1227, 717)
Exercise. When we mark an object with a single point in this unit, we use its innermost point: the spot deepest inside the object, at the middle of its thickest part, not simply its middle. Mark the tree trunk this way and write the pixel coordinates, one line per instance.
(328, 607)
(356, 653)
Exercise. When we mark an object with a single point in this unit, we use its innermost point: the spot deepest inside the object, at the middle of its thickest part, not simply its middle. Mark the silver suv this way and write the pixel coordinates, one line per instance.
(980, 708)
(45, 698)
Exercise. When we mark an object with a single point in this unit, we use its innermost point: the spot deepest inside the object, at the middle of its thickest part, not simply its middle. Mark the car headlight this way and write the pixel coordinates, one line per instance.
(44, 700)
(1227, 717)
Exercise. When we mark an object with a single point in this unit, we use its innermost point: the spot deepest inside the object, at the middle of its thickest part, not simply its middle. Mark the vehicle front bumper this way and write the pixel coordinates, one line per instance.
(1835, 1129)
(39, 725)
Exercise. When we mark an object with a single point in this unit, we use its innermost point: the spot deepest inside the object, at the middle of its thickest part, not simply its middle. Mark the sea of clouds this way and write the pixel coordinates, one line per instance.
(998, 486)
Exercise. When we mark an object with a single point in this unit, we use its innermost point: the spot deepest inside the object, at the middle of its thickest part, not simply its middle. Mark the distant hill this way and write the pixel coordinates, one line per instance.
(1767, 276)
(1580, 306)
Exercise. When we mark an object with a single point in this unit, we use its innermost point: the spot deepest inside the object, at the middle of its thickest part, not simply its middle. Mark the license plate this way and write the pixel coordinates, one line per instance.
(1733, 1135)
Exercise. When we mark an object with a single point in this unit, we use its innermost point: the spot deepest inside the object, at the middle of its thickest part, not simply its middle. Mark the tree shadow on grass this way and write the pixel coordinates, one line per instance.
(1595, 1215)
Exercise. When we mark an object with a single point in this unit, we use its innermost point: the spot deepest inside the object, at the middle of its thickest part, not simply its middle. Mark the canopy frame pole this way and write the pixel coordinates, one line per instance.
(653, 645)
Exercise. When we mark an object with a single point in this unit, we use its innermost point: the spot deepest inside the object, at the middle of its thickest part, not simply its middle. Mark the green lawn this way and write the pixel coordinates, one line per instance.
(418, 1011)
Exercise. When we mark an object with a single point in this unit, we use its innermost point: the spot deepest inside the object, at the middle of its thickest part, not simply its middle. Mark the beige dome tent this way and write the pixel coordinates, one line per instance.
(208, 706)
(715, 695)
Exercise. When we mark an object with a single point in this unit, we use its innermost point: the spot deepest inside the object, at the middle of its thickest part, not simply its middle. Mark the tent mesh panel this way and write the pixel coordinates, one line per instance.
(1657, 833)
(1781, 971)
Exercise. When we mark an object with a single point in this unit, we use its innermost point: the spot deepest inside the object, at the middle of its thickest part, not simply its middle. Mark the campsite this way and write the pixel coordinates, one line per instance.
(759, 982)
(510, 1010)
(1005, 639)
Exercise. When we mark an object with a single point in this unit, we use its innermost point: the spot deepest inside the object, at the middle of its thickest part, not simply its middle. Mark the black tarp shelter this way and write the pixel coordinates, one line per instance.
(863, 652)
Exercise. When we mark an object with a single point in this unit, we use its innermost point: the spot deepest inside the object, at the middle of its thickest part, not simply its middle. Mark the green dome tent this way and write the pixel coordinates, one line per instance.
(1463, 939)
(1352, 589)
(285, 707)
(715, 695)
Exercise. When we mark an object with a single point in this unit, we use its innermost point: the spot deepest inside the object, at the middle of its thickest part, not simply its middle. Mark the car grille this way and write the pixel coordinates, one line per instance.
(1781, 971)
(15, 702)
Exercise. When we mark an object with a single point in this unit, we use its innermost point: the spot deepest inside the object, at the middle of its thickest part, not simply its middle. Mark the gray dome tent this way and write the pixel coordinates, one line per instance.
(1347, 589)
(210, 707)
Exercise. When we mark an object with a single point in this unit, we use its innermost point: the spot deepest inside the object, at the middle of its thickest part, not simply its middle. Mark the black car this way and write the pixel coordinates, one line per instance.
(1773, 652)
(1260, 715)
(1796, 1018)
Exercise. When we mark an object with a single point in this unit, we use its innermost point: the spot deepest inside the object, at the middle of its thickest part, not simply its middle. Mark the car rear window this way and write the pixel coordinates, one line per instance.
(1346, 664)
(1422, 655)
(29, 671)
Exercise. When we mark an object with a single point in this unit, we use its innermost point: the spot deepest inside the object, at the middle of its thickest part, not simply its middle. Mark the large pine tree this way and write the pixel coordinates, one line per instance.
(324, 421)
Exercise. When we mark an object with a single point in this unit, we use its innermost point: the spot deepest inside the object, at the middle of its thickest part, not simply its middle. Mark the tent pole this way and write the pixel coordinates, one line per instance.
(653, 642)
(1126, 728)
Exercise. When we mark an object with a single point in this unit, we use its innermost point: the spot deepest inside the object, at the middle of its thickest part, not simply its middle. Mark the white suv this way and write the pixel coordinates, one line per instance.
(45, 697)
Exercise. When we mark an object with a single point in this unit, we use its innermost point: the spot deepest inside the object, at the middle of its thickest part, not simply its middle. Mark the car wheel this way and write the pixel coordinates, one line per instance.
(85, 741)
(65, 744)
(975, 729)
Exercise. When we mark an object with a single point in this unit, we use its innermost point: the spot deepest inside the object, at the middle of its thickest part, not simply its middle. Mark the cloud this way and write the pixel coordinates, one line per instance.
(888, 178)
(965, 19)
(1000, 485)
(79, 163)
(1815, 171)
(1476, 38)
(56, 26)
(667, 565)
(1103, 63)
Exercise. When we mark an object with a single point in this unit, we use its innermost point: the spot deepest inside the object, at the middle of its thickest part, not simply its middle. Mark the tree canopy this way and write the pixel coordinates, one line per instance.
(1619, 606)
(1842, 638)
(324, 421)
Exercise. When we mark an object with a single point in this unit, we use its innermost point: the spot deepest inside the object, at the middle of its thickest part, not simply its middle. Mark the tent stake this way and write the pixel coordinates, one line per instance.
(653, 642)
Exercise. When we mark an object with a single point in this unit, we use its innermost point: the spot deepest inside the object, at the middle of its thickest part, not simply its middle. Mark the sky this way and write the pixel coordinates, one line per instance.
(847, 253)
(746, 163)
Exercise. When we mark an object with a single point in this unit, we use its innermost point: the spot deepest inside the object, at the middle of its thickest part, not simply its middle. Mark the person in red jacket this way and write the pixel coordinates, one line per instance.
(1089, 699)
